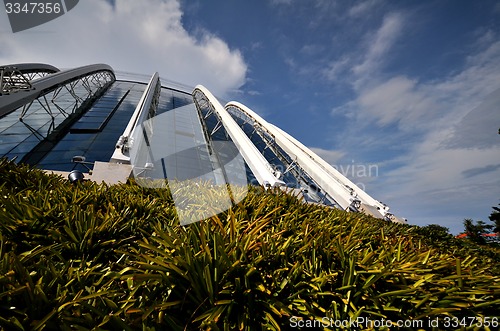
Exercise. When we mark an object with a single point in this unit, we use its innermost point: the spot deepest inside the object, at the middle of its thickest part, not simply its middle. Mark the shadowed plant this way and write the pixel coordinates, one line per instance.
(89, 256)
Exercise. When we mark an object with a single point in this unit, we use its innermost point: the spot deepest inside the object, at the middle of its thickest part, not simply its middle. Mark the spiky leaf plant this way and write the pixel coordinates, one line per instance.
(90, 256)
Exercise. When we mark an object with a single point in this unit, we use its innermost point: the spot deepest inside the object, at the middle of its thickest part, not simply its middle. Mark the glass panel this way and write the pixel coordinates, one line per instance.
(38, 120)
(161, 151)
(96, 145)
(95, 141)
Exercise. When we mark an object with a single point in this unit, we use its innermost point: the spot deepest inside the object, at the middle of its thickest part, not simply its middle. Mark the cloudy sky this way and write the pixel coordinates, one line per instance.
(403, 97)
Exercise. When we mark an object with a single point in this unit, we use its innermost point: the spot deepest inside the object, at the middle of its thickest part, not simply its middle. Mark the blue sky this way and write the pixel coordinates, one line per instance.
(410, 89)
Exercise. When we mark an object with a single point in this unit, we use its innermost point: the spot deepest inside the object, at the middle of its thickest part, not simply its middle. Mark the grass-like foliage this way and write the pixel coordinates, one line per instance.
(91, 256)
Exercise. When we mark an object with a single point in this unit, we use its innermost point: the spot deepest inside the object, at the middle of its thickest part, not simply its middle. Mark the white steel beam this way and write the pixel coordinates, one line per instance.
(262, 170)
(121, 153)
(362, 195)
(344, 191)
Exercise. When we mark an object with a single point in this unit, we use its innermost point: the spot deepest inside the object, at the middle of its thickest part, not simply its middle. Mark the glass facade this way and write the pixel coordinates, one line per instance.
(173, 146)
(40, 121)
(92, 136)
(95, 134)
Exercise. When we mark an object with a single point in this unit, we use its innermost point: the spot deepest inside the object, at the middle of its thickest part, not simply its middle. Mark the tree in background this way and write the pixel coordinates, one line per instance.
(435, 232)
(475, 230)
(495, 218)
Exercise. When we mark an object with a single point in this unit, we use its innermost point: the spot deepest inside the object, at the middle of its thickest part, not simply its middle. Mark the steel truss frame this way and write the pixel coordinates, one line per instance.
(202, 103)
(292, 165)
(35, 75)
(94, 84)
(18, 77)
(12, 81)
(347, 194)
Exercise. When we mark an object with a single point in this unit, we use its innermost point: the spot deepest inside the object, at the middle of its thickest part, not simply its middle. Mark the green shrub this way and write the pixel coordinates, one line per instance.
(89, 256)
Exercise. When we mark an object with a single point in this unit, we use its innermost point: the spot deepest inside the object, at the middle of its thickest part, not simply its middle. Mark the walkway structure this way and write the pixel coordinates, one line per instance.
(88, 119)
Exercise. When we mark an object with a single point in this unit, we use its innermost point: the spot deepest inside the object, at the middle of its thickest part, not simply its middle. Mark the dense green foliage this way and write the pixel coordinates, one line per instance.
(89, 256)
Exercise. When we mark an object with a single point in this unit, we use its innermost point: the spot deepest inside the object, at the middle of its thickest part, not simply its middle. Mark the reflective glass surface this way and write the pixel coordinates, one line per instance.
(89, 137)
(24, 128)
(95, 134)
(176, 147)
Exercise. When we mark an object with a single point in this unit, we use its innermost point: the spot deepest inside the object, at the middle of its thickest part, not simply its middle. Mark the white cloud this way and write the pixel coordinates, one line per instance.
(336, 68)
(435, 181)
(424, 106)
(363, 8)
(364, 60)
(497, 8)
(441, 131)
(380, 43)
(478, 128)
(330, 156)
(311, 49)
(436, 169)
(134, 36)
(396, 100)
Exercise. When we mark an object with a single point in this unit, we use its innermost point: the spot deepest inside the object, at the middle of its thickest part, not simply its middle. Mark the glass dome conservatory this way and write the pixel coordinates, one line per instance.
(89, 120)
